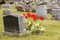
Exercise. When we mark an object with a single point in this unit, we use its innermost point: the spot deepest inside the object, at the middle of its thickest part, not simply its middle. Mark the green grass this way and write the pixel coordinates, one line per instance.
(52, 31)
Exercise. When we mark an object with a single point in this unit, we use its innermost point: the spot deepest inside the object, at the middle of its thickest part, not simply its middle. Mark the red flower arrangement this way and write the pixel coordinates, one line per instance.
(33, 16)
(41, 18)
(28, 15)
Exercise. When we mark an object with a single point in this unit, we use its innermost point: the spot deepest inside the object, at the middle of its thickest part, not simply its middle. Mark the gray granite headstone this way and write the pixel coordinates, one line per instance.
(20, 8)
(56, 14)
(58, 3)
(41, 10)
(11, 1)
(5, 5)
(14, 23)
(7, 12)
(28, 7)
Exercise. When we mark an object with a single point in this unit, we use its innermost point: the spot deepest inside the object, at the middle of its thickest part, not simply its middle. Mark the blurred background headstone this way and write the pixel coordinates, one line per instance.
(7, 12)
(41, 10)
(55, 14)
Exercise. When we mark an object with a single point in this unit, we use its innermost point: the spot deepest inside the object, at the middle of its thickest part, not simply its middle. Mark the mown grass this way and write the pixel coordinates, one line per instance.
(52, 31)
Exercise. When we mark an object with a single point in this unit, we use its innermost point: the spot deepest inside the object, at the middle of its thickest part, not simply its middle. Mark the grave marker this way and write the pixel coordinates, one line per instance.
(41, 10)
(7, 12)
(14, 23)
(5, 5)
(56, 14)
(20, 8)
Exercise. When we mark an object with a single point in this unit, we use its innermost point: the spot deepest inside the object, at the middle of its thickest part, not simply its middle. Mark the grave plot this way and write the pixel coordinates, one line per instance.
(14, 23)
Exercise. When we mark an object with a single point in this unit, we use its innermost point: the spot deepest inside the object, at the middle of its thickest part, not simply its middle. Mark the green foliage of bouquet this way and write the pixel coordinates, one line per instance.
(35, 26)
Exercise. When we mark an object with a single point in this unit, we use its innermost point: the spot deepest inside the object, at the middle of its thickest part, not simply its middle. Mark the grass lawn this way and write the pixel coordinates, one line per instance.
(52, 31)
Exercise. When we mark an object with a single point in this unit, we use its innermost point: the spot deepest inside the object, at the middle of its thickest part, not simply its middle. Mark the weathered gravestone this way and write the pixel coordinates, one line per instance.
(55, 14)
(41, 10)
(28, 7)
(14, 23)
(7, 12)
(11, 1)
(20, 8)
(58, 3)
(5, 5)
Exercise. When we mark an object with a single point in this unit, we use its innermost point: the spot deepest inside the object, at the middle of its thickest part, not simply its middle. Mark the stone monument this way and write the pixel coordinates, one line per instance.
(14, 23)
(7, 12)
(41, 10)
(55, 14)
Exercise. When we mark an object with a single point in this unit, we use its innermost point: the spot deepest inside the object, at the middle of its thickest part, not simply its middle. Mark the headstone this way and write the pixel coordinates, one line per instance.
(12, 1)
(7, 12)
(27, 1)
(56, 14)
(14, 23)
(28, 7)
(58, 3)
(5, 5)
(41, 10)
(20, 8)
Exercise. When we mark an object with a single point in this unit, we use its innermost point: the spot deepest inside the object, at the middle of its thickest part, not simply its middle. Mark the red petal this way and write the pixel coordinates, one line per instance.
(41, 18)
(29, 15)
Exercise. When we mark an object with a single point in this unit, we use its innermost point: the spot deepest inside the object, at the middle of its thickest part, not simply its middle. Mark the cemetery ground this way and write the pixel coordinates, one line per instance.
(52, 31)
